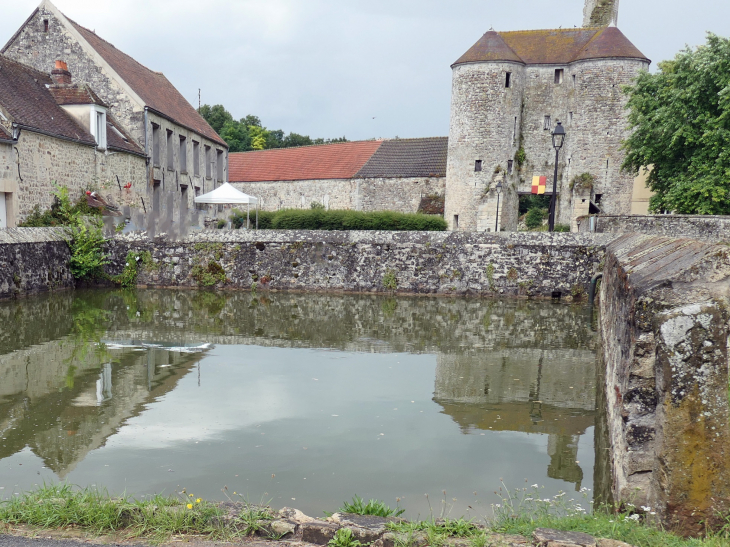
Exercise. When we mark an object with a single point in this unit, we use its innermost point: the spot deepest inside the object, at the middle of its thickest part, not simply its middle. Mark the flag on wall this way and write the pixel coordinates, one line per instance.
(538, 185)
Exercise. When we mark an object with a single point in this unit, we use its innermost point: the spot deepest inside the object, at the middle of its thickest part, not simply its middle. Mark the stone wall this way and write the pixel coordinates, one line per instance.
(526, 264)
(33, 260)
(710, 229)
(380, 194)
(664, 327)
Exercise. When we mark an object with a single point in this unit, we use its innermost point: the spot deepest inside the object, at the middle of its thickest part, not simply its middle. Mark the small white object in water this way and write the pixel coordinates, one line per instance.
(335, 415)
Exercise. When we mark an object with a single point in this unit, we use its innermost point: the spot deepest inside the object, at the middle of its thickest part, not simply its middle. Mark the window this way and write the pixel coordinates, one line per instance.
(219, 165)
(98, 126)
(514, 132)
(170, 155)
(155, 145)
(508, 79)
(45, 25)
(208, 161)
(570, 117)
(196, 158)
(510, 166)
(573, 80)
(548, 124)
(559, 73)
(183, 156)
(478, 165)
(456, 222)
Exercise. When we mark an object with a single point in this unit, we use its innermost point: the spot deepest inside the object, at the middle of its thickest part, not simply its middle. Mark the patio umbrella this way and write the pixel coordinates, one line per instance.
(227, 194)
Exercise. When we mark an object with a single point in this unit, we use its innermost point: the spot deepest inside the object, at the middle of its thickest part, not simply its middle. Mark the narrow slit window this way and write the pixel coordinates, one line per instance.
(45, 25)
(559, 73)
(183, 154)
(478, 165)
(573, 80)
(456, 222)
(547, 124)
(510, 166)
(570, 117)
(508, 80)
(208, 161)
(514, 132)
(170, 154)
(155, 145)
(196, 158)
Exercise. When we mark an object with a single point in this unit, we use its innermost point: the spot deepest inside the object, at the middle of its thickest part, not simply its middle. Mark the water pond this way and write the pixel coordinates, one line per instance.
(297, 400)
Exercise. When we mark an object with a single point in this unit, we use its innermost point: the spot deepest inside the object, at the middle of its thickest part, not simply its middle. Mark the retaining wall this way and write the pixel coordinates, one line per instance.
(710, 229)
(664, 329)
(527, 264)
(33, 260)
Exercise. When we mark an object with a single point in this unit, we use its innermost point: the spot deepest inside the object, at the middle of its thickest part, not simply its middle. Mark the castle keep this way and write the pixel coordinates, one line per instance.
(509, 91)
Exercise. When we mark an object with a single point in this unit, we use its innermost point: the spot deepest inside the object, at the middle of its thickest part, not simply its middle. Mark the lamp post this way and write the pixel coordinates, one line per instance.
(558, 140)
(496, 221)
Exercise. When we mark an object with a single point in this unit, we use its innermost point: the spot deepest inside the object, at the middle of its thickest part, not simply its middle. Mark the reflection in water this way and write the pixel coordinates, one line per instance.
(78, 368)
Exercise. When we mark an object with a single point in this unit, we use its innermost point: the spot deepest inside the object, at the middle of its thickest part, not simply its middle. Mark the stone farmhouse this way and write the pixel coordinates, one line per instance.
(52, 130)
(509, 91)
(393, 175)
(185, 155)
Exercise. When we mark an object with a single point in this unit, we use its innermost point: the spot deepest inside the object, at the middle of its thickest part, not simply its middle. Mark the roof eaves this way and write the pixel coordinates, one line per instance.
(55, 135)
(173, 120)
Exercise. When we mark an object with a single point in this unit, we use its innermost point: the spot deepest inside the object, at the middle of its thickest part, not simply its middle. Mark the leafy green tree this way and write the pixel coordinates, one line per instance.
(237, 135)
(681, 122)
(216, 116)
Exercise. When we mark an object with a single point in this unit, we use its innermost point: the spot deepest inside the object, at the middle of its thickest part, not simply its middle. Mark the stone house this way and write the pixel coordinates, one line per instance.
(54, 131)
(393, 175)
(186, 156)
(509, 91)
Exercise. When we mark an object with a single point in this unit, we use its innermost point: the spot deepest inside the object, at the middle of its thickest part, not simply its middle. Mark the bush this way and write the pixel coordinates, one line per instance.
(562, 228)
(266, 219)
(534, 218)
(319, 219)
(62, 212)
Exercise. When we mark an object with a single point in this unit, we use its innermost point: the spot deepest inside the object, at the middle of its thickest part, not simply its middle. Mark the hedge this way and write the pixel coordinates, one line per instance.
(320, 219)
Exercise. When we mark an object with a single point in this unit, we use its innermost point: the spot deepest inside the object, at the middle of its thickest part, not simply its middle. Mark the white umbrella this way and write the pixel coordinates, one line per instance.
(227, 194)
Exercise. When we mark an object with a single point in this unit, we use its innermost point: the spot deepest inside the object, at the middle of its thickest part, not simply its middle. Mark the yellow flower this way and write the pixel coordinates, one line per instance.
(190, 505)
(197, 500)
(190, 495)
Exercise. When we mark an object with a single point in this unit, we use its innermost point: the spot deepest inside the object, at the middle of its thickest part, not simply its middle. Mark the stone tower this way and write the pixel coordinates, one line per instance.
(600, 13)
(508, 93)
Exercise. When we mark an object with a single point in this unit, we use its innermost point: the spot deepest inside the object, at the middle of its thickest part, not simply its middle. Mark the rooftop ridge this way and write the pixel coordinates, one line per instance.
(309, 146)
(573, 29)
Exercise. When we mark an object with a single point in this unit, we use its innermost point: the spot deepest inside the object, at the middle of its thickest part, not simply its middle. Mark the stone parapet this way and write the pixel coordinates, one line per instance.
(518, 264)
(664, 328)
(710, 229)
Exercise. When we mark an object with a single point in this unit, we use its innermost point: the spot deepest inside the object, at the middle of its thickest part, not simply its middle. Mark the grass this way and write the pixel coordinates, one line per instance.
(344, 538)
(156, 519)
(372, 507)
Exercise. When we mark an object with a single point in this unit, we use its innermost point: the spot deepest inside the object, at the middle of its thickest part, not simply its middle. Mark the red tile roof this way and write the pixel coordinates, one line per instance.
(24, 94)
(326, 161)
(553, 47)
(152, 87)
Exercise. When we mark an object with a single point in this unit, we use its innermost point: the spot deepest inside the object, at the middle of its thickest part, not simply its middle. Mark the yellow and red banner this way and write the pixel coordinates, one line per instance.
(538, 185)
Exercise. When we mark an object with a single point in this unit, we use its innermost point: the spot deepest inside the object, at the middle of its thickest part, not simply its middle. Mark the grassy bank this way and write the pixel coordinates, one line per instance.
(159, 518)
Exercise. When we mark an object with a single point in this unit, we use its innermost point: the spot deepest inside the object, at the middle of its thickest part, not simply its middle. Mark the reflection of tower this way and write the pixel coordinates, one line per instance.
(104, 384)
(563, 452)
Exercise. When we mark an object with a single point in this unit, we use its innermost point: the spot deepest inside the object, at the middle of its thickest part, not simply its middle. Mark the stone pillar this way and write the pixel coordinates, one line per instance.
(600, 13)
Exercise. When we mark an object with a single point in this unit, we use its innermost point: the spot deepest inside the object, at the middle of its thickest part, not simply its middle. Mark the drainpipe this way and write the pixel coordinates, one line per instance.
(146, 147)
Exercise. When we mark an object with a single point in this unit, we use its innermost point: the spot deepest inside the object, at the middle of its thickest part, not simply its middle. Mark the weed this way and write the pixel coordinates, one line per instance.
(490, 277)
(520, 157)
(345, 538)
(512, 274)
(390, 280)
(128, 278)
(577, 290)
(209, 275)
(372, 507)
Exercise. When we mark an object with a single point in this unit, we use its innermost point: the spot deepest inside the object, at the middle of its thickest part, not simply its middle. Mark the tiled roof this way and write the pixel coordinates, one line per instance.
(152, 87)
(408, 158)
(554, 47)
(121, 140)
(23, 93)
(75, 94)
(4, 135)
(326, 161)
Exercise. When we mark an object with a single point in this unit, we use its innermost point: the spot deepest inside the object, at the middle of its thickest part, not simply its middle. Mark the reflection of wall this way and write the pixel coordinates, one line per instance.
(64, 404)
(548, 391)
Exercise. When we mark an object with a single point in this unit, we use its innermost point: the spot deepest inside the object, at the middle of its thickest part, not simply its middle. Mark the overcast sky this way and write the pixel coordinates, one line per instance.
(359, 68)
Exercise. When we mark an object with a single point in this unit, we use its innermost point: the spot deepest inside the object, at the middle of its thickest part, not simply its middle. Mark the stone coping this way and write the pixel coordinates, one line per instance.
(10, 236)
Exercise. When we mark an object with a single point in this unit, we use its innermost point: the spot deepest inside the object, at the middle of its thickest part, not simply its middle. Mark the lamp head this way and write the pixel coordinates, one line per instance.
(558, 136)
(499, 187)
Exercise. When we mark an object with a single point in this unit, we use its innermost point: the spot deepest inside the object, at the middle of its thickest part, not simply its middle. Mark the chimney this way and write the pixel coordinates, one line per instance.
(60, 74)
(600, 13)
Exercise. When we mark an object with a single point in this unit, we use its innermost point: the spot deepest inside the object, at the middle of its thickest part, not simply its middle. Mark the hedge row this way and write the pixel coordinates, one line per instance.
(320, 219)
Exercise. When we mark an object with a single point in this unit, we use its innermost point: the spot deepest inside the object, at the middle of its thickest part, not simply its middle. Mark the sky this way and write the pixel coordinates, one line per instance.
(356, 68)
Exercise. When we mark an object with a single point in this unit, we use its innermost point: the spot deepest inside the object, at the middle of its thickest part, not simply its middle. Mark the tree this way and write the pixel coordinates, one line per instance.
(681, 122)
(216, 116)
(237, 135)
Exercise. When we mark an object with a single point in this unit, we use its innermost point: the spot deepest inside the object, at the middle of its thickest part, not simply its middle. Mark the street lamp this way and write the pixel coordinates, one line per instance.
(558, 140)
(499, 191)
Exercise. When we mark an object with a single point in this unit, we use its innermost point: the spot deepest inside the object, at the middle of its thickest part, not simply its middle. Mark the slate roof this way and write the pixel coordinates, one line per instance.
(75, 94)
(122, 140)
(325, 161)
(408, 158)
(23, 93)
(554, 47)
(152, 87)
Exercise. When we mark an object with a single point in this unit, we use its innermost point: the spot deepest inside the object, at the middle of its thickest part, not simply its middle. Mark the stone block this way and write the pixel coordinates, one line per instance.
(547, 537)
(319, 533)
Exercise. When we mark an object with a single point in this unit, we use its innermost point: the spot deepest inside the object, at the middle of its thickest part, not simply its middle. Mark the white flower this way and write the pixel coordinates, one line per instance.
(645, 508)
(497, 505)
(534, 486)
(634, 517)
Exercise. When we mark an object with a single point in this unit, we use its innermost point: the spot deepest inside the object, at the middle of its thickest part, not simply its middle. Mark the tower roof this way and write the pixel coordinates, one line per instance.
(551, 47)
